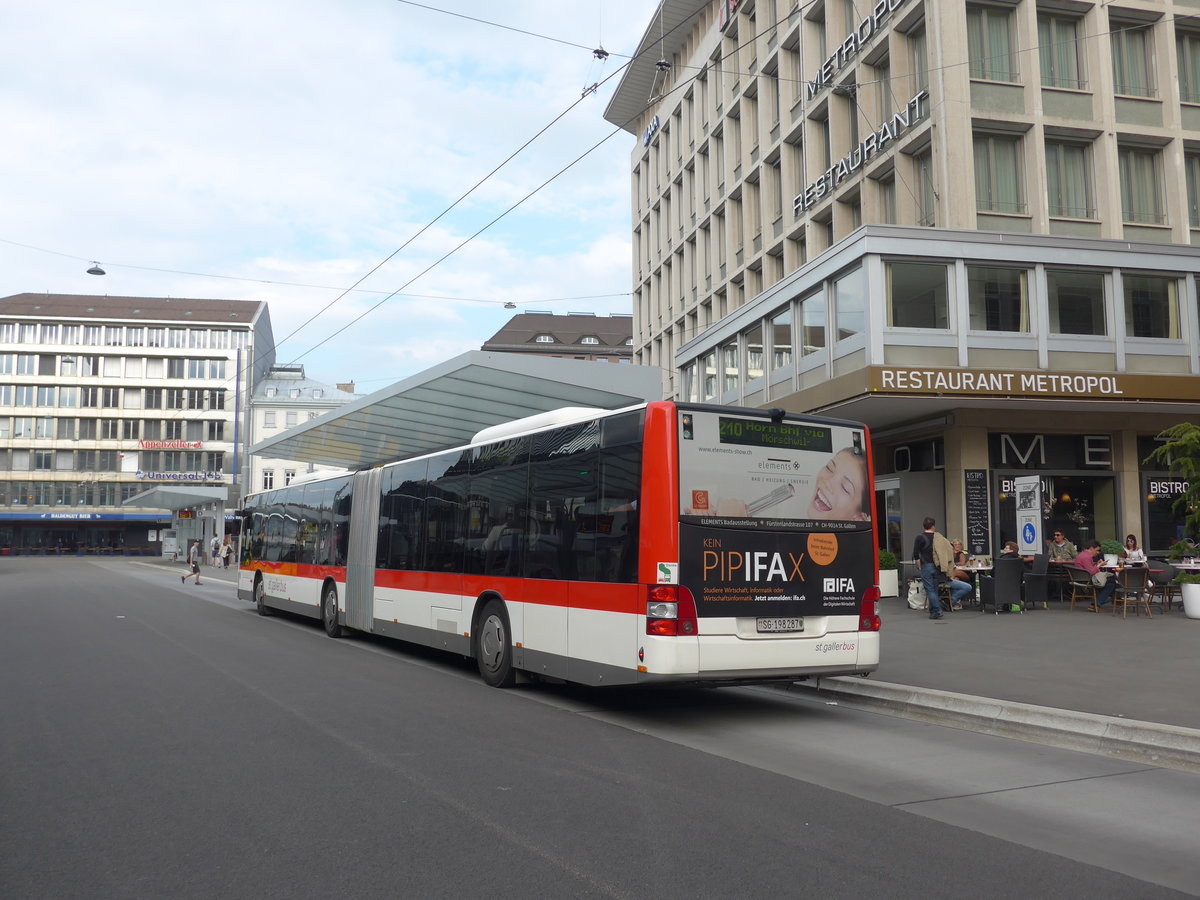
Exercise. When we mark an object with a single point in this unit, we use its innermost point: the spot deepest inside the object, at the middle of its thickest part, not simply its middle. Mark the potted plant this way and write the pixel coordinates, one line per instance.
(1112, 550)
(889, 578)
(1189, 589)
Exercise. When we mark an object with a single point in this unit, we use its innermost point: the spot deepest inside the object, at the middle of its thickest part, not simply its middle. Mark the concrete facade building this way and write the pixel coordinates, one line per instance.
(284, 399)
(103, 399)
(970, 225)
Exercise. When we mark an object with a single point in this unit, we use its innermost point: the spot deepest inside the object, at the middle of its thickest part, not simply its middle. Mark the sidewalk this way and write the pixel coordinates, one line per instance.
(1090, 678)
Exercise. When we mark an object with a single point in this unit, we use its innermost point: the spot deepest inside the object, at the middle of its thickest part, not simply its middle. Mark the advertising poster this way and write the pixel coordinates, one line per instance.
(775, 516)
(979, 539)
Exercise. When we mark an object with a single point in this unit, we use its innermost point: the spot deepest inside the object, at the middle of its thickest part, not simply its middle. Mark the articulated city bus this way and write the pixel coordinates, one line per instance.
(665, 542)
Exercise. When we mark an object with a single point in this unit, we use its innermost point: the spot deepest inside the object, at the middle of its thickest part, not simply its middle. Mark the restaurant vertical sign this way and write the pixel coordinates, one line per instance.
(978, 531)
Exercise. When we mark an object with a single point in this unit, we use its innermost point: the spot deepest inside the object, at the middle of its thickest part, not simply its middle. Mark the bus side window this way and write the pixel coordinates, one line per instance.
(617, 526)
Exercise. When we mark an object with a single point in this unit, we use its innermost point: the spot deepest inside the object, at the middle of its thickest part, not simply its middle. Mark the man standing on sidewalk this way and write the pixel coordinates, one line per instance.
(923, 556)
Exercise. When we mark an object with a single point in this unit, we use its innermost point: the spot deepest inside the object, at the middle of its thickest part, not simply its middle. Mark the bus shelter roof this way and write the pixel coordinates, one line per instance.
(178, 496)
(446, 405)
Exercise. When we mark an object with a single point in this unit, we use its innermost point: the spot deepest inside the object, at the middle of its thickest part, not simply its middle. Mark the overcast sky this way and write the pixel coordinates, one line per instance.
(280, 151)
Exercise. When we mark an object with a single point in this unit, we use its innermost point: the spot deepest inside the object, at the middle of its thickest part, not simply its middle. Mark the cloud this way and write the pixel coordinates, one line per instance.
(304, 143)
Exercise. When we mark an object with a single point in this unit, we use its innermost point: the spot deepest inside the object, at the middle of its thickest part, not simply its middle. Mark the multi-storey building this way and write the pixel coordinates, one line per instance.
(970, 224)
(104, 398)
(283, 399)
(577, 335)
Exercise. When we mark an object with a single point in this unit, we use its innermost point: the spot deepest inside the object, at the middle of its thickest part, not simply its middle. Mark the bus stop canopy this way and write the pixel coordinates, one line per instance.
(446, 405)
(178, 496)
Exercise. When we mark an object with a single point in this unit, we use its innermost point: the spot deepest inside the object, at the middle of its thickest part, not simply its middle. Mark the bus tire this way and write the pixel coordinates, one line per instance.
(493, 647)
(329, 612)
(260, 597)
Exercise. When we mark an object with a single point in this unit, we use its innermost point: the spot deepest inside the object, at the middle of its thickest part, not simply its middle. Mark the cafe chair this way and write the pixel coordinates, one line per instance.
(1006, 583)
(1036, 582)
(1131, 588)
(945, 598)
(1081, 585)
(1162, 575)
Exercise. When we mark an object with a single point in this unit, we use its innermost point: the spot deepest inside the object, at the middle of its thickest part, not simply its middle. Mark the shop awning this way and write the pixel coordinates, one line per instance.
(446, 405)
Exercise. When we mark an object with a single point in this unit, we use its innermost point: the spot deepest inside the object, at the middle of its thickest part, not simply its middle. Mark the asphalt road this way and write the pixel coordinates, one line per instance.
(161, 740)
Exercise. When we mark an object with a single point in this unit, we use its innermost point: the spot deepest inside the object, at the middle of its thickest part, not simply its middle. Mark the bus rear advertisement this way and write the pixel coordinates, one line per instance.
(659, 543)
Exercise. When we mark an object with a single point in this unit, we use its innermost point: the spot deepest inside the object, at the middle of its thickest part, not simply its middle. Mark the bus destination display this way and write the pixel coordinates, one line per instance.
(779, 435)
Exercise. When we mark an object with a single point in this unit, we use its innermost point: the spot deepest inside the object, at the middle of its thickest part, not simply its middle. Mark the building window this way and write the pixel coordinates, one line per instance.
(110, 397)
(544, 339)
(710, 375)
(45, 427)
(998, 173)
(754, 353)
(812, 324)
(589, 340)
(1076, 302)
(288, 476)
(294, 393)
(130, 428)
(290, 418)
(729, 366)
(24, 395)
(850, 304)
(1141, 187)
(43, 460)
(990, 43)
(1069, 180)
(1191, 170)
(781, 340)
(997, 299)
(629, 342)
(1151, 306)
(926, 196)
(268, 479)
(172, 430)
(918, 43)
(917, 296)
(268, 418)
(1187, 52)
(1132, 56)
(272, 392)
(216, 430)
(1058, 52)
(318, 393)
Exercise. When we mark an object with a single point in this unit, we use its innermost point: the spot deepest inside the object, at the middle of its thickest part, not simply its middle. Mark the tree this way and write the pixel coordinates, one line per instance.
(1180, 453)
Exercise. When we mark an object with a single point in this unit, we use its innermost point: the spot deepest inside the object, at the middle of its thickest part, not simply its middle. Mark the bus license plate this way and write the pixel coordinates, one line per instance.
(779, 624)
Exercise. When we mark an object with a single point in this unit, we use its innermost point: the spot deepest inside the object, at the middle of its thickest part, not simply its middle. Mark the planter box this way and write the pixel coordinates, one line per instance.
(1191, 600)
(889, 582)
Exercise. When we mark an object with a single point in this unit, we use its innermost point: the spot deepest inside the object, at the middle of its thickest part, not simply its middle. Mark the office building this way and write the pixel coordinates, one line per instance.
(110, 403)
(970, 225)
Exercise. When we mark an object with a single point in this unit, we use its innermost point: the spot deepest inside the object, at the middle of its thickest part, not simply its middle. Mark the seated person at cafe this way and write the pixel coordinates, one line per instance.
(1089, 560)
(1010, 549)
(1061, 550)
(1134, 555)
(960, 562)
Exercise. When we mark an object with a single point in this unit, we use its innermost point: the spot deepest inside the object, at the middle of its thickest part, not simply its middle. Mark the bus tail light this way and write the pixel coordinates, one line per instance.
(670, 611)
(868, 617)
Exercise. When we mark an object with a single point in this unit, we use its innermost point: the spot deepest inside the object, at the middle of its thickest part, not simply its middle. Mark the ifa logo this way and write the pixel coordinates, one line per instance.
(839, 585)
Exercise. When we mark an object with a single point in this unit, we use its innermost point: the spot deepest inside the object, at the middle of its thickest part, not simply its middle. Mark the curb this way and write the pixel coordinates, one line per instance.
(1166, 746)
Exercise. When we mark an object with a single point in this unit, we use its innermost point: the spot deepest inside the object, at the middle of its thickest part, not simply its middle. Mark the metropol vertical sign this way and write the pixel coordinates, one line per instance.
(878, 140)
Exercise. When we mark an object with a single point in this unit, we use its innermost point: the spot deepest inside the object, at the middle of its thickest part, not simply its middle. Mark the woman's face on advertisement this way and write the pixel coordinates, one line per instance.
(839, 490)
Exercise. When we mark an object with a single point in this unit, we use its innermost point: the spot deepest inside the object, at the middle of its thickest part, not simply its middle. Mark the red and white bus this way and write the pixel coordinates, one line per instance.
(665, 542)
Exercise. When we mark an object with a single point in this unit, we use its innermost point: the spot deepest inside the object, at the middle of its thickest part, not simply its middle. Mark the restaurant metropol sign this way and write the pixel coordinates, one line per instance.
(926, 382)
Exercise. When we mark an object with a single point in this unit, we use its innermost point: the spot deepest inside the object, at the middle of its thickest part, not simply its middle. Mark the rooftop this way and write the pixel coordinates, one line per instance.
(152, 309)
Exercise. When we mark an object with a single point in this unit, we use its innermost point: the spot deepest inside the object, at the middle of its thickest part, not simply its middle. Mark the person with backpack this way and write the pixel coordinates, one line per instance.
(933, 560)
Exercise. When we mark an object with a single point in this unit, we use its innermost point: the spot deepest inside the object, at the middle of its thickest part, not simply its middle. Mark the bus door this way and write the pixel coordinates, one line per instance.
(360, 560)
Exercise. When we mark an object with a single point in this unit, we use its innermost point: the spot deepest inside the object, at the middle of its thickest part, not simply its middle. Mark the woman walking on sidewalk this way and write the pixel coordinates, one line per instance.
(193, 559)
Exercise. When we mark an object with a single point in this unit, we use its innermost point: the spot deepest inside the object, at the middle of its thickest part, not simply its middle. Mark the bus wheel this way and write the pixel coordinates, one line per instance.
(493, 647)
(329, 613)
(260, 597)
